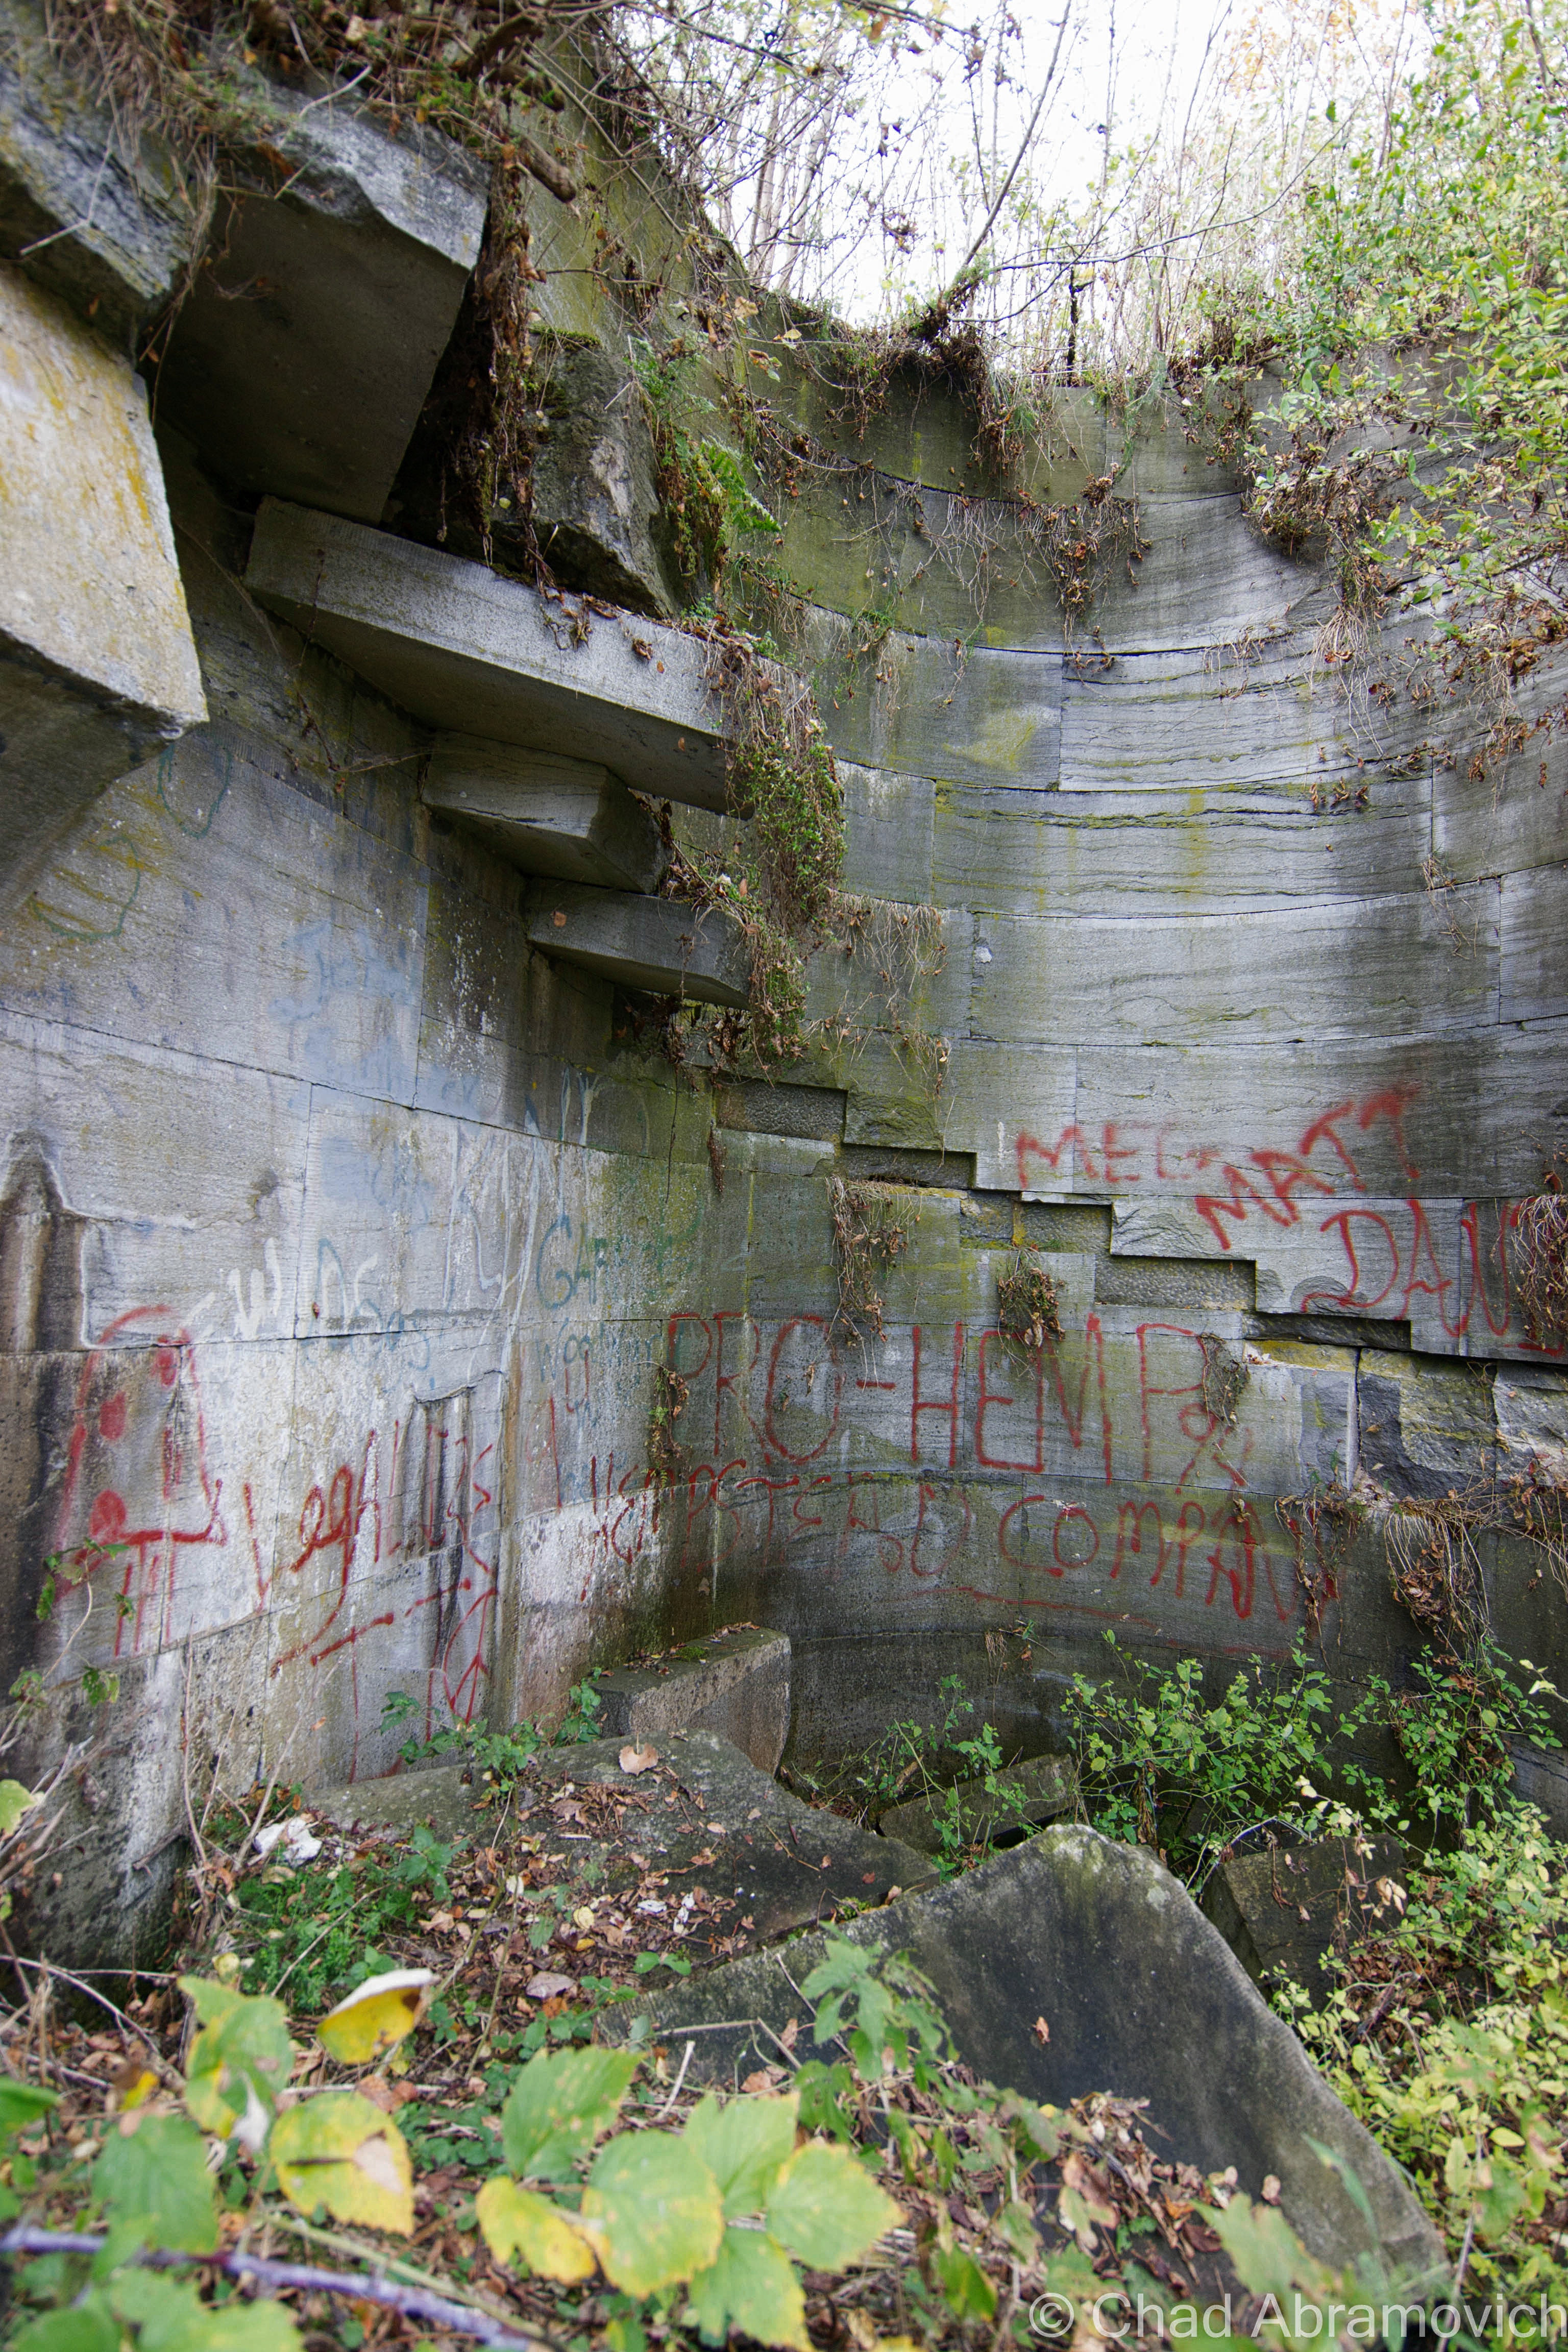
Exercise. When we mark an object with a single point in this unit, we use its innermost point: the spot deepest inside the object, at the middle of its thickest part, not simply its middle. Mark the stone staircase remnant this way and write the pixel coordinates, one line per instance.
(734, 1684)
(772, 1863)
(659, 944)
(466, 651)
(546, 813)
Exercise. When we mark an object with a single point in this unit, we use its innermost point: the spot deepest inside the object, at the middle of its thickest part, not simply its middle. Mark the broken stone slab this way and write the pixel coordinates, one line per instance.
(781, 1864)
(97, 666)
(659, 944)
(594, 494)
(1140, 1995)
(463, 649)
(102, 223)
(1018, 1801)
(301, 360)
(1282, 1913)
(546, 813)
(734, 1684)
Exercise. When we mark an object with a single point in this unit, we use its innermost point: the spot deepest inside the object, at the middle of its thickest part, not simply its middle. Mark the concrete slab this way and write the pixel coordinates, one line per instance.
(463, 649)
(548, 814)
(302, 358)
(735, 1683)
(1142, 1997)
(776, 1863)
(105, 226)
(97, 666)
(657, 944)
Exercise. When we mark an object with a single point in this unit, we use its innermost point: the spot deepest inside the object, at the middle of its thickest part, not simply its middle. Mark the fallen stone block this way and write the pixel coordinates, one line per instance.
(104, 224)
(301, 360)
(658, 944)
(595, 491)
(97, 666)
(546, 813)
(772, 1863)
(1021, 1798)
(735, 1683)
(1282, 1913)
(461, 648)
(1140, 1996)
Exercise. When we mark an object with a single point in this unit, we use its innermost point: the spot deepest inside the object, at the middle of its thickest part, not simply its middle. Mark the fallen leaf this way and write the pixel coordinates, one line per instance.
(1042, 2031)
(638, 1758)
(547, 1985)
(376, 2017)
(341, 2152)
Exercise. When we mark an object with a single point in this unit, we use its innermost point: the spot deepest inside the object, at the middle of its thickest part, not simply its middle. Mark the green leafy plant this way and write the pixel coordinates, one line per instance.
(948, 1765)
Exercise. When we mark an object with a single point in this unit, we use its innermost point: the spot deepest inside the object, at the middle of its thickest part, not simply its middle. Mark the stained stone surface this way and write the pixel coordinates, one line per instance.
(1141, 1996)
(465, 650)
(97, 668)
(1284, 1912)
(735, 1683)
(659, 945)
(546, 813)
(104, 224)
(593, 493)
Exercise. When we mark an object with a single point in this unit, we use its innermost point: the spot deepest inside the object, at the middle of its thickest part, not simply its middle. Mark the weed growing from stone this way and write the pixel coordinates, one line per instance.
(1222, 1380)
(666, 1455)
(1448, 2036)
(949, 1765)
(1028, 1310)
(870, 1232)
(1540, 1262)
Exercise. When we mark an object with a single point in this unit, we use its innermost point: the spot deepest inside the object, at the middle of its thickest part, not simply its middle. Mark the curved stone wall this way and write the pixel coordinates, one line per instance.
(343, 1226)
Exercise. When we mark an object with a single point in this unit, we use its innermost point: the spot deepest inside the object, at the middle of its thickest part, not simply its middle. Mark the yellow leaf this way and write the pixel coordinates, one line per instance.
(375, 2018)
(16, 1800)
(341, 2152)
(523, 2228)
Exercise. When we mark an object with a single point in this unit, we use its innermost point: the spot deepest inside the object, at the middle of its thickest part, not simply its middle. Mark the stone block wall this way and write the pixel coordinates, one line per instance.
(342, 1231)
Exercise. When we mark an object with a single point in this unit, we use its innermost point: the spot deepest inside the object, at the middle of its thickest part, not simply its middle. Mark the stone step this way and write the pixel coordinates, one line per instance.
(659, 944)
(546, 813)
(465, 650)
(735, 1683)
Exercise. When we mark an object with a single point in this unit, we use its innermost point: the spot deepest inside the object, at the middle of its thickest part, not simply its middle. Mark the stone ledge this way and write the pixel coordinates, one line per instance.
(464, 650)
(659, 945)
(571, 819)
